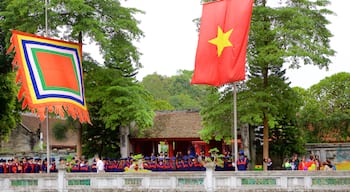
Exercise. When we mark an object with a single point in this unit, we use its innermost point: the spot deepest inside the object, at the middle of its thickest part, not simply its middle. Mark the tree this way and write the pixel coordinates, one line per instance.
(107, 23)
(9, 108)
(158, 85)
(161, 105)
(183, 102)
(175, 91)
(116, 101)
(185, 96)
(8, 105)
(326, 112)
(280, 37)
(60, 129)
(217, 113)
(286, 137)
(291, 34)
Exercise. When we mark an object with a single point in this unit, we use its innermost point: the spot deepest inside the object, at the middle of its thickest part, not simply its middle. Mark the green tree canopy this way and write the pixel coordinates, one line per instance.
(326, 111)
(107, 23)
(9, 108)
(114, 98)
(292, 34)
(114, 101)
(174, 92)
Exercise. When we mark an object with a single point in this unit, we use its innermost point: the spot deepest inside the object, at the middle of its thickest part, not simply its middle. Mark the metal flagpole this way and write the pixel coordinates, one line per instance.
(47, 110)
(46, 24)
(47, 141)
(235, 124)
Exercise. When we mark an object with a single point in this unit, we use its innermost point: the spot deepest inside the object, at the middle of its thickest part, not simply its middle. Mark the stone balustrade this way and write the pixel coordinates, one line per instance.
(178, 181)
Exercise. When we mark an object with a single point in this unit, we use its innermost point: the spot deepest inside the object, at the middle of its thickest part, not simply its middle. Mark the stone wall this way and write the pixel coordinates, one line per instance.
(21, 140)
(336, 152)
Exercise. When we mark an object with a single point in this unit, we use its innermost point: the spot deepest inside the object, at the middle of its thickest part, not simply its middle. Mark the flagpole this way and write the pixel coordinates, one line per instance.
(46, 18)
(47, 110)
(235, 123)
(47, 141)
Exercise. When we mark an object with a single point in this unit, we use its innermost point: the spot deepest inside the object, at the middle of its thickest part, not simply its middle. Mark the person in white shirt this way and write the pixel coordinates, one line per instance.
(100, 166)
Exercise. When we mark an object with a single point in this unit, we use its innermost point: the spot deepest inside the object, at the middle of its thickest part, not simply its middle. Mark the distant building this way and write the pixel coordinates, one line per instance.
(25, 138)
(174, 131)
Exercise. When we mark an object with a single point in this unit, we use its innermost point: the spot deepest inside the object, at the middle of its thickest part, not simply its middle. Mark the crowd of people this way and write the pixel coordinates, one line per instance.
(151, 163)
(26, 165)
(161, 162)
(312, 163)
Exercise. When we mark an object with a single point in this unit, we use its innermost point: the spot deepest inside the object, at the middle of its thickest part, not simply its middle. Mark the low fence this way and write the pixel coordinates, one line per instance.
(178, 181)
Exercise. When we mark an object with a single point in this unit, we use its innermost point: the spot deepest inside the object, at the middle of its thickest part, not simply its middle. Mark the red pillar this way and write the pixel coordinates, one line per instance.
(171, 149)
(137, 148)
(197, 148)
(207, 148)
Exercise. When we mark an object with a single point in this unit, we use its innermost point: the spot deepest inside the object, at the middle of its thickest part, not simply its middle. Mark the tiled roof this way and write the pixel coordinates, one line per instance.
(175, 124)
(167, 124)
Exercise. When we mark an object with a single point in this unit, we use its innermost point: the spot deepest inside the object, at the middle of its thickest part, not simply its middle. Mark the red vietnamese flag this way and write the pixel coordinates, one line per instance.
(222, 44)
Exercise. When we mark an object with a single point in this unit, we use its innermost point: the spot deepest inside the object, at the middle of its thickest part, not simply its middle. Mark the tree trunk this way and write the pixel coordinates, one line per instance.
(266, 139)
(252, 147)
(246, 141)
(79, 140)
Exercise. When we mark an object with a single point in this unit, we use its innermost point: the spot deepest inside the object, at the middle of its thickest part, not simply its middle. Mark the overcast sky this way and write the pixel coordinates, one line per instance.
(171, 39)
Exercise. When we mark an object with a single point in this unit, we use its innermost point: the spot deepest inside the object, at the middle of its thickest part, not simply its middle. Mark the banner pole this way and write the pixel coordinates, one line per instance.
(235, 124)
(47, 141)
(47, 110)
(46, 18)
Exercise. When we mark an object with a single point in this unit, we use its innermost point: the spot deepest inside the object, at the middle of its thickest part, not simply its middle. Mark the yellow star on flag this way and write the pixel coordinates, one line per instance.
(222, 40)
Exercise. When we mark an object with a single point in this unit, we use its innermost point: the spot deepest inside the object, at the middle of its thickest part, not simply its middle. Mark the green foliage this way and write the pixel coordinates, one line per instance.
(290, 35)
(38, 148)
(60, 128)
(157, 85)
(217, 115)
(9, 107)
(114, 101)
(175, 91)
(190, 96)
(9, 115)
(326, 110)
(119, 99)
(295, 33)
(137, 157)
(214, 150)
(107, 23)
(26, 15)
(99, 140)
(286, 139)
(113, 96)
(215, 157)
(183, 102)
(59, 131)
(159, 105)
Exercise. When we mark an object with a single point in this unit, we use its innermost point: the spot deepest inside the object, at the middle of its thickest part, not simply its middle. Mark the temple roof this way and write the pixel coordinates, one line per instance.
(174, 124)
